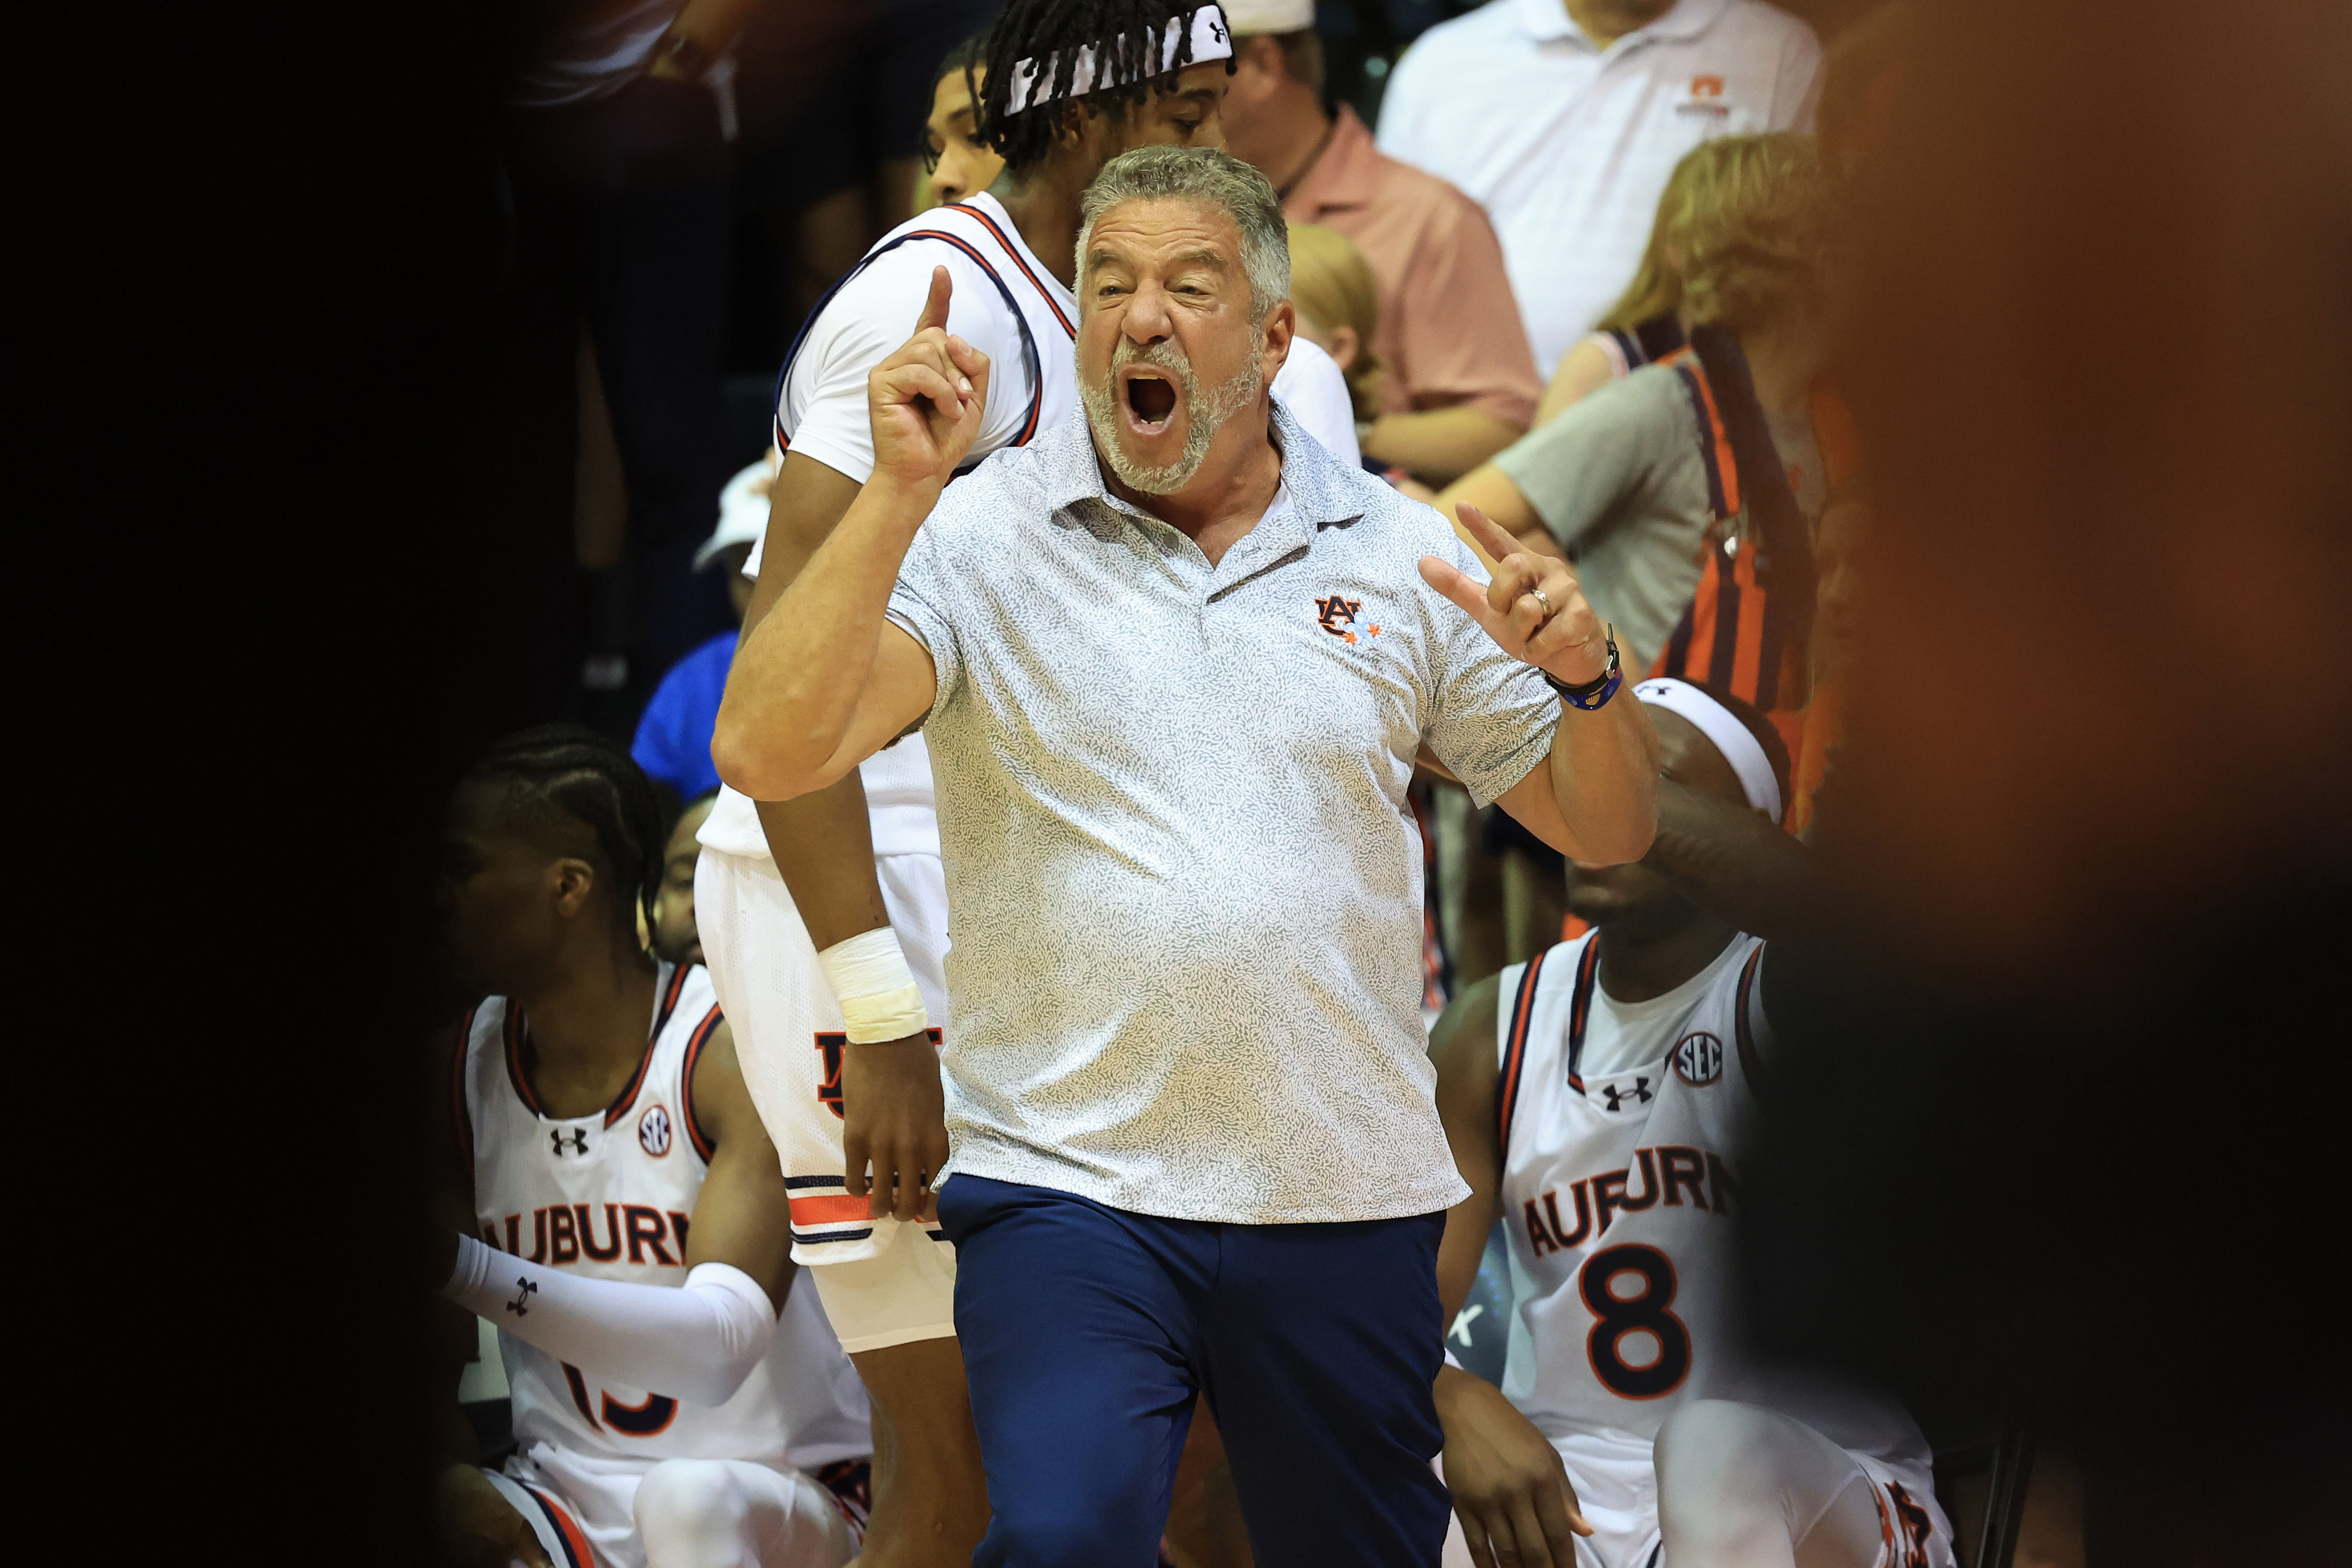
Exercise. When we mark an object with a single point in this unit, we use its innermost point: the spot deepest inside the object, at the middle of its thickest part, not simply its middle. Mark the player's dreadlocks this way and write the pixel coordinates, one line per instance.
(568, 770)
(1124, 33)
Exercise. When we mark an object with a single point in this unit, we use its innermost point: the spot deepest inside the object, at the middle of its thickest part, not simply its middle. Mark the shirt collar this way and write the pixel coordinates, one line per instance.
(1318, 499)
(1345, 174)
(1547, 21)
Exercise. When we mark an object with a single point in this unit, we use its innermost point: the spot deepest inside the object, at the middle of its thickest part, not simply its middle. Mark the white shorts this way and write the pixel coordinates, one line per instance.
(1617, 1491)
(789, 1037)
(584, 1511)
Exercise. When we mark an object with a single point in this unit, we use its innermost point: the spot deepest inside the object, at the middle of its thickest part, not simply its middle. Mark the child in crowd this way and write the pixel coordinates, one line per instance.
(1339, 308)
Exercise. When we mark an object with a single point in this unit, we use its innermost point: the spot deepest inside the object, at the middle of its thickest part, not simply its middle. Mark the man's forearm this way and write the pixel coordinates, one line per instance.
(1438, 444)
(1604, 778)
(794, 686)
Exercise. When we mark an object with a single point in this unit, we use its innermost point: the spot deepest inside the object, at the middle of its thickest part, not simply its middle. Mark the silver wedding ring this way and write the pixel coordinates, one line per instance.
(1545, 600)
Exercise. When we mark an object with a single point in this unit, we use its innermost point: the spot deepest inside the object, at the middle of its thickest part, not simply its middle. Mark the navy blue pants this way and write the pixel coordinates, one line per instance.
(1087, 1331)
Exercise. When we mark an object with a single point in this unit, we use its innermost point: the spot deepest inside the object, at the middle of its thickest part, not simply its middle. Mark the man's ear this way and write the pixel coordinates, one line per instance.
(1281, 326)
(571, 881)
(1345, 346)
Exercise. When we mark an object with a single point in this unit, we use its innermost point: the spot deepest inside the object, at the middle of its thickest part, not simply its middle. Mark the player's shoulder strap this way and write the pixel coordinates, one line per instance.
(1746, 1005)
(462, 1046)
(1519, 1022)
(700, 1018)
(969, 246)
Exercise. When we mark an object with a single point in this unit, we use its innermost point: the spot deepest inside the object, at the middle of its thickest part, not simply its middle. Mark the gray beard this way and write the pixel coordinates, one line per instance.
(1204, 417)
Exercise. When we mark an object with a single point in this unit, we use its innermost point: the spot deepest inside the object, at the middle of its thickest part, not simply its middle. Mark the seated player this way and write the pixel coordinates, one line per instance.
(621, 1213)
(1596, 1097)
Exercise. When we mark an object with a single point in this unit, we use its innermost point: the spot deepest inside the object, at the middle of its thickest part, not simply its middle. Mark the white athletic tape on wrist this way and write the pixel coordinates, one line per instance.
(879, 1000)
(1731, 737)
(1033, 80)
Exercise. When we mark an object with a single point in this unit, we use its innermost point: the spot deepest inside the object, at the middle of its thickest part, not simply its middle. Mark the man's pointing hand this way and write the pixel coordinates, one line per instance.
(927, 400)
(1533, 608)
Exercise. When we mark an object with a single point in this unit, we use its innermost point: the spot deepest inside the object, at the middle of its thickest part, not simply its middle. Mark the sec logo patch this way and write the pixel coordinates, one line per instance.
(1698, 1058)
(652, 1131)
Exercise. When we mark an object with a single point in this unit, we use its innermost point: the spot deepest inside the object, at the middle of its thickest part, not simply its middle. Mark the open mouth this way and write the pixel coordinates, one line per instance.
(1148, 399)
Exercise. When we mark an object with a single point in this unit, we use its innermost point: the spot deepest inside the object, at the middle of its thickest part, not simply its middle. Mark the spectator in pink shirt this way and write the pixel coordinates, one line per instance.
(1460, 384)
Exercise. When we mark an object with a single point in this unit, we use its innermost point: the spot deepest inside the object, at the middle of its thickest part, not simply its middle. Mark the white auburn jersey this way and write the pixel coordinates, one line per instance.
(1027, 324)
(611, 1196)
(1618, 1196)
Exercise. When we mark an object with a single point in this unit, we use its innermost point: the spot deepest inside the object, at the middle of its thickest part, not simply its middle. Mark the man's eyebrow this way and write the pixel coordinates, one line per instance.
(1208, 259)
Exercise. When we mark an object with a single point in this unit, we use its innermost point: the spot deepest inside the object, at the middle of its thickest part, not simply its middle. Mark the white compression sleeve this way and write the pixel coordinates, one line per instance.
(697, 1342)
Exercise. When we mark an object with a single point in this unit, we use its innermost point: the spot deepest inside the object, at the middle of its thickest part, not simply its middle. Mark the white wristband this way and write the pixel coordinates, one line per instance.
(879, 1000)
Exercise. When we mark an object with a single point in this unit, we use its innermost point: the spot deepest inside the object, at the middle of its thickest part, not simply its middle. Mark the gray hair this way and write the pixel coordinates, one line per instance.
(1207, 175)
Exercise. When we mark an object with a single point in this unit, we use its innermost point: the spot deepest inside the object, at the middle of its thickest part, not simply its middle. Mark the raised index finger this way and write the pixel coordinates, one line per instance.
(1488, 531)
(1460, 587)
(935, 306)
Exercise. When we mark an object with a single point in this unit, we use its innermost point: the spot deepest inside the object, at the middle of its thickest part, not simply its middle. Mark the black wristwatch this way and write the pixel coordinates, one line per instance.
(1596, 692)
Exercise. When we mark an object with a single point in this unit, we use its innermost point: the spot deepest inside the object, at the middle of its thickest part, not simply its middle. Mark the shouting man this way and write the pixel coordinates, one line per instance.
(1174, 663)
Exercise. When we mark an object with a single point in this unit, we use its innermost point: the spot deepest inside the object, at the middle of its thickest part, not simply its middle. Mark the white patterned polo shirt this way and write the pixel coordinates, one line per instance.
(1183, 879)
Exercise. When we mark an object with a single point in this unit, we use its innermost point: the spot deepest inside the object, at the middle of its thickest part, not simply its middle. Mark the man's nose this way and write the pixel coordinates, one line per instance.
(1146, 319)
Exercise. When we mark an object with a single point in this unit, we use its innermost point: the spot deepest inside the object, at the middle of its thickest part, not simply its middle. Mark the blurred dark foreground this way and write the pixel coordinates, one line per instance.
(2070, 1144)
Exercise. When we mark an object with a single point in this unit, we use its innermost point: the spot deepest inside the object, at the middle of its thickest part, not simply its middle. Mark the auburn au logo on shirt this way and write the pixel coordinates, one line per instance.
(1337, 613)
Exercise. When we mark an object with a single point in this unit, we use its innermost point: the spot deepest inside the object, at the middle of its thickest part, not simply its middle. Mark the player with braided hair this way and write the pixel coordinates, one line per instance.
(1102, 66)
(612, 1205)
(824, 919)
(560, 777)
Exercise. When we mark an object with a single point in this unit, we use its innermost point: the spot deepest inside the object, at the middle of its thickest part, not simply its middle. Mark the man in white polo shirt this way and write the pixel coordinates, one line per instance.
(1174, 663)
(1563, 118)
(825, 919)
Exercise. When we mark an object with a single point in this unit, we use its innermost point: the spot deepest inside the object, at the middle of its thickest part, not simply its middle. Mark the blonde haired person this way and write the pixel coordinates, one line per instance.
(1623, 477)
(1642, 327)
(1339, 307)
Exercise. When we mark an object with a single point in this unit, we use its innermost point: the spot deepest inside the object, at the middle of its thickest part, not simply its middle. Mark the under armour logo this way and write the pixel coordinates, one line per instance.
(1616, 1097)
(1217, 30)
(579, 1136)
(1462, 1322)
(524, 1290)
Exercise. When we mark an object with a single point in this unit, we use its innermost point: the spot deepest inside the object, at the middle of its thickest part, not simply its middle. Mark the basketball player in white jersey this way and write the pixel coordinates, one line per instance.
(1596, 1097)
(825, 919)
(618, 1208)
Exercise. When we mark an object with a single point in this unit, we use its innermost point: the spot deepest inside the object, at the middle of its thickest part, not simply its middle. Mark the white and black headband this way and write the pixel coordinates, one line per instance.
(1033, 80)
(1721, 725)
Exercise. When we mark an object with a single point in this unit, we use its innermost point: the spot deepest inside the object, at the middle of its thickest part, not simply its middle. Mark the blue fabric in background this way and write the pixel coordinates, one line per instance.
(673, 741)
